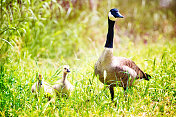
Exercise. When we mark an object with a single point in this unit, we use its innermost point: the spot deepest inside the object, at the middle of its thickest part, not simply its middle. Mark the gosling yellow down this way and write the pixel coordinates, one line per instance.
(63, 87)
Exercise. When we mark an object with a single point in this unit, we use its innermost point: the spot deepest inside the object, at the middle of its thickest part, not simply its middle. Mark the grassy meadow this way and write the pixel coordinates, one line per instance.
(40, 36)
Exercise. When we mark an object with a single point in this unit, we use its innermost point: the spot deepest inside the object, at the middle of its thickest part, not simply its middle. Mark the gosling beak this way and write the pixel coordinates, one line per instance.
(68, 70)
(118, 15)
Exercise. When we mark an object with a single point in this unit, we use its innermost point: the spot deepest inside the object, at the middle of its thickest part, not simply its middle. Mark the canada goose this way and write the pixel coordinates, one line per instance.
(116, 71)
(43, 86)
(63, 86)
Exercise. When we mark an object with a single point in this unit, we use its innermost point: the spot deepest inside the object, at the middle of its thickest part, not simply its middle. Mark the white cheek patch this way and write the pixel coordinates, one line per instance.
(111, 17)
(119, 13)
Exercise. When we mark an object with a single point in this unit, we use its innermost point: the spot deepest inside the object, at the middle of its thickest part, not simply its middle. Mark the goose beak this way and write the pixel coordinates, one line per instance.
(118, 15)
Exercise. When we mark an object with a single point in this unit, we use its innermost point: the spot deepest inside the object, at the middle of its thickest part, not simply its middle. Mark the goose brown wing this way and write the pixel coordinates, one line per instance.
(131, 64)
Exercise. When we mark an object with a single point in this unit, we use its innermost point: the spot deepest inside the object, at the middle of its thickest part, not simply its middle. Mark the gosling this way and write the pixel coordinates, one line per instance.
(43, 86)
(63, 87)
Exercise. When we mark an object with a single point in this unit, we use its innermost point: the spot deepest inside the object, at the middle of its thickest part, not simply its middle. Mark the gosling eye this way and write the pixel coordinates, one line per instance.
(65, 68)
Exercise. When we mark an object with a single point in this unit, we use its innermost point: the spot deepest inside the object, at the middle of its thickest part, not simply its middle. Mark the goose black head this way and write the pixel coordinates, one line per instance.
(66, 69)
(114, 14)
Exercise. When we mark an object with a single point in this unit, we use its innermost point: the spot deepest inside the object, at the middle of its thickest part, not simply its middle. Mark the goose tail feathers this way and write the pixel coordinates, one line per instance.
(147, 76)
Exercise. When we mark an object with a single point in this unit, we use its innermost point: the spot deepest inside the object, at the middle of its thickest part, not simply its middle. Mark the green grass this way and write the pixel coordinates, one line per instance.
(37, 37)
(156, 97)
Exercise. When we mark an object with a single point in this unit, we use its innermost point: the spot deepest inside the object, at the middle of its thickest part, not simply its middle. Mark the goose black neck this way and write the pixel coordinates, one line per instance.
(110, 35)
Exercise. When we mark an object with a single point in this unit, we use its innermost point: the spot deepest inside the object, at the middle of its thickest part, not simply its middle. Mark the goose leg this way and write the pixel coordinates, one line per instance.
(111, 88)
(124, 88)
(125, 93)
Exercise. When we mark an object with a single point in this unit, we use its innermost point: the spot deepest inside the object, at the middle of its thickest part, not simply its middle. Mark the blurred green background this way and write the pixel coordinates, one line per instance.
(56, 28)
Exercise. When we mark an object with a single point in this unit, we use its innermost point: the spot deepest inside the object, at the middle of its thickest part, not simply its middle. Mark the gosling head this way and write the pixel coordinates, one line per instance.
(114, 14)
(66, 69)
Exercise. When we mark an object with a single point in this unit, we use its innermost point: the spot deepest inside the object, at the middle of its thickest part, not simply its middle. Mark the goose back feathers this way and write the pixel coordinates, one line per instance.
(118, 69)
